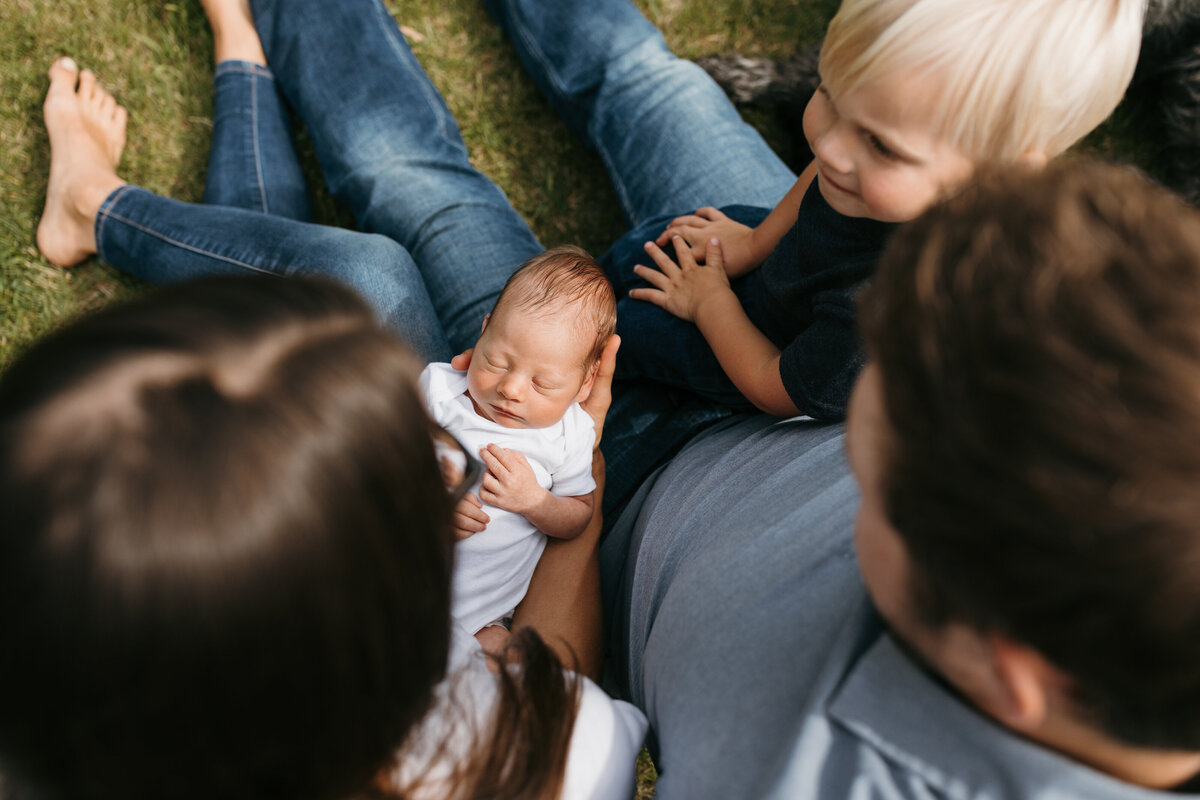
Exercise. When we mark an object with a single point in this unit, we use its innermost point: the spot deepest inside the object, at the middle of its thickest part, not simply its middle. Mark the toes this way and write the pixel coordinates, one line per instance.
(63, 74)
(87, 84)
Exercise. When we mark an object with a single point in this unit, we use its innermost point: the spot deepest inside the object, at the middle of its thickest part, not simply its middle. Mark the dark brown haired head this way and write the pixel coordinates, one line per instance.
(1038, 340)
(563, 277)
(225, 552)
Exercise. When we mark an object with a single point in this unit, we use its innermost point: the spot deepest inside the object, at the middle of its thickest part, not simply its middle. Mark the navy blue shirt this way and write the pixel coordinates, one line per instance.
(804, 301)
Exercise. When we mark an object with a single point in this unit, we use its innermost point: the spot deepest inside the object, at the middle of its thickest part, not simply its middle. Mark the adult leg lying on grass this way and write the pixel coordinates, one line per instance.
(390, 151)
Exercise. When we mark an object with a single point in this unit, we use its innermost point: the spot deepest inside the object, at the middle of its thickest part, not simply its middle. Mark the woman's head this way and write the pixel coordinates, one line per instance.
(224, 550)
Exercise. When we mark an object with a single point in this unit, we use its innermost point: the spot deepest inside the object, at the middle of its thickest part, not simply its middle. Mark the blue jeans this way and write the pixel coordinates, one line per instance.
(439, 238)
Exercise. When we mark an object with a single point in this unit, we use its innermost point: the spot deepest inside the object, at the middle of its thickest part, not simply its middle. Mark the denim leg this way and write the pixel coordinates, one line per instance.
(391, 151)
(166, 241)
(671, 140)
(252, 162)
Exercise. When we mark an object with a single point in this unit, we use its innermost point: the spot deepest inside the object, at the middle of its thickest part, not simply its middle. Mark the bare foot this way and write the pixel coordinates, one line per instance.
(87, 135)
(234, 35)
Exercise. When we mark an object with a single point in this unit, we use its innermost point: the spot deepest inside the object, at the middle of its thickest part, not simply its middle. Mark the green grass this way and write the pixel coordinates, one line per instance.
(156, 58)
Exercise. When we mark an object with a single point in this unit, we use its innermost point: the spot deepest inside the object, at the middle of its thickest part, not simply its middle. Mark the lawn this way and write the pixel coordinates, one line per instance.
(156, 58)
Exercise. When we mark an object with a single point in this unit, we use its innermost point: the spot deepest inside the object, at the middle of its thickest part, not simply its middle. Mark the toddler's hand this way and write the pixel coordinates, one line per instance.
(682, 288)
(469, 517)
(696, 230)
(509, 482)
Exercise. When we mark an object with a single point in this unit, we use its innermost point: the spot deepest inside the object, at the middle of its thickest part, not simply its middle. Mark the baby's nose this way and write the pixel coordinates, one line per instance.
(511, 387)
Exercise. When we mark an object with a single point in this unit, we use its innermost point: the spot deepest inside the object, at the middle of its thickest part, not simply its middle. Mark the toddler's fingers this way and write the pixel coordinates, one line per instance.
(662, 260)
(714, 256)
(651, 276)
(711, 214)
(683, 252)
(665, 236)
(650, 296)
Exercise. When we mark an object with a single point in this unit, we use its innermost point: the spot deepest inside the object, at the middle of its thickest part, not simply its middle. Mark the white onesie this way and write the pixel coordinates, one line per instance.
(492, 568)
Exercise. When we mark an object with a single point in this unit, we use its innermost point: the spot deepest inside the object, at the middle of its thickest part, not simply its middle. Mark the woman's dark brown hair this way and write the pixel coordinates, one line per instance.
(225, 555)
(1038, 339)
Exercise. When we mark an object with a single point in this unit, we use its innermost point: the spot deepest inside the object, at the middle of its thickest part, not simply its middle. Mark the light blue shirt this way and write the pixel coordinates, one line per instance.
(740, 624)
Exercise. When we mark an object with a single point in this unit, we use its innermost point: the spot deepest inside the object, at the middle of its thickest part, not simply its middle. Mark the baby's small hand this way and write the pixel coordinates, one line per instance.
(469, 517)
(509, 482)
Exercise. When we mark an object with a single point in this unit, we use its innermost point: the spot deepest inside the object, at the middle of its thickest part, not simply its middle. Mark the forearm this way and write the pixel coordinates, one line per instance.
(748, 357)
(561, 517)
(563, 601)
(781, 219)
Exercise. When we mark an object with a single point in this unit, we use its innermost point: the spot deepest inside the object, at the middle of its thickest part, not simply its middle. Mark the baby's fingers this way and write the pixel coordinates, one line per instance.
(488, 489)
(491, 460)
(511, 459)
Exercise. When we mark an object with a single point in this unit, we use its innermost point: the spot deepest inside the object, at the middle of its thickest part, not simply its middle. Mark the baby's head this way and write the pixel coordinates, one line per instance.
(542, 342)
(918, 93)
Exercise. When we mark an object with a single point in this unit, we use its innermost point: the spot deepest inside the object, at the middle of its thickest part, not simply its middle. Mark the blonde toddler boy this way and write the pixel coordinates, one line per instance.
(916, 95)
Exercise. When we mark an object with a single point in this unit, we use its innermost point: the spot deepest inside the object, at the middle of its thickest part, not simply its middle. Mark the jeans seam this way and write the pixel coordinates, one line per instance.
(106, 213)
(247, 67)
(262, 191)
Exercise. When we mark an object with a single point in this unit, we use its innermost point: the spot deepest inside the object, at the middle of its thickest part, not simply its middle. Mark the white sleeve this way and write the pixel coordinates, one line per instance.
(433, 386)
(573, 478)
(602, 758)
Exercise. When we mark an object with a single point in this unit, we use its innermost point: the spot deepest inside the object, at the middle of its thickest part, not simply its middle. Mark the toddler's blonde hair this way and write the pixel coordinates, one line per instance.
(1016, 76)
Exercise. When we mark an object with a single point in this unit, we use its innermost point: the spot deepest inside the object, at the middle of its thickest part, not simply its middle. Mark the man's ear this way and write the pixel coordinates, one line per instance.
(1025, 681)
(588, 382)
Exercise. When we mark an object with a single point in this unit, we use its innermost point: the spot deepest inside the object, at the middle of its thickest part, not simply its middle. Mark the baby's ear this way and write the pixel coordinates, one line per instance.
(586, 389)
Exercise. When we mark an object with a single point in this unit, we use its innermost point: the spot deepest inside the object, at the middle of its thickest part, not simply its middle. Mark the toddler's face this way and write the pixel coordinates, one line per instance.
(528, 368)
(876, 153)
